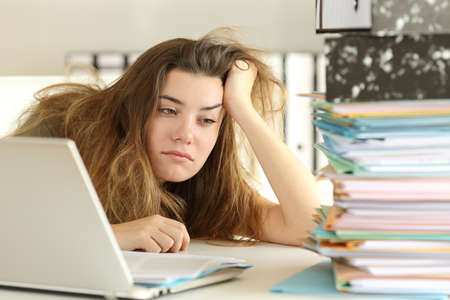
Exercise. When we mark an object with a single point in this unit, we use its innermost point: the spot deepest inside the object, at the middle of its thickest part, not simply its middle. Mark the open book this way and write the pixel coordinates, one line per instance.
(173, 269)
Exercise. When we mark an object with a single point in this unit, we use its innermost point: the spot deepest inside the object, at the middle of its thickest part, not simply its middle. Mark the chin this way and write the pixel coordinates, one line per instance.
(175, 177)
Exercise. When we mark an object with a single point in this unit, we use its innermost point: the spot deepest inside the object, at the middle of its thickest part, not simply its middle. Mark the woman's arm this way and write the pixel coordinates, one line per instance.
(293, 184)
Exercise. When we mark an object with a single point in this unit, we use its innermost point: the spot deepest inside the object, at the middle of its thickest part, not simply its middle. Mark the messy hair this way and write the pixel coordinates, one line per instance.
(109, 127)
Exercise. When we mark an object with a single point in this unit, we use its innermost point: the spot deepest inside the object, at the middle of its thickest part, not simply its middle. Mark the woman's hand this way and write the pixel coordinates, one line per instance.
(152, 234)
(238, 89)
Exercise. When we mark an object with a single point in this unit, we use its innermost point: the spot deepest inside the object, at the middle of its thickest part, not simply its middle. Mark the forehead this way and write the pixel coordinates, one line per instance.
(192, 88)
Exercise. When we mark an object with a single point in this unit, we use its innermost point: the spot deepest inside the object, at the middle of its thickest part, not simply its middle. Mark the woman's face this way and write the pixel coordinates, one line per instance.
(184, 130)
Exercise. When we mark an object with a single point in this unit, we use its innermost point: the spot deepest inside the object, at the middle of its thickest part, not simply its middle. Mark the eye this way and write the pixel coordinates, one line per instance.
(167, 111)
(208, 121)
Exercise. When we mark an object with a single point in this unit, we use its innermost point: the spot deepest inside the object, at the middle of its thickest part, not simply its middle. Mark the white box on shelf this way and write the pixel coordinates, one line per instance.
(110, 60)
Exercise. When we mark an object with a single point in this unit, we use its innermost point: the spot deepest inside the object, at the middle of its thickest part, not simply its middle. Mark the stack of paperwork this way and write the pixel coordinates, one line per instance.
(388, 231)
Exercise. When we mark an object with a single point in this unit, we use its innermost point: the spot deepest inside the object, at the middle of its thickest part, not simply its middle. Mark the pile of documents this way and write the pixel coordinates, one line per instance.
(388, 230)
(181, 270)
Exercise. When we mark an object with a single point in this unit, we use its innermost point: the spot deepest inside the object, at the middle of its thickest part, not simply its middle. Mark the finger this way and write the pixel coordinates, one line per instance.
(151, 246)
(164, 240)
(186, 241)
(178, 231)
(185, 236)
(177, 236)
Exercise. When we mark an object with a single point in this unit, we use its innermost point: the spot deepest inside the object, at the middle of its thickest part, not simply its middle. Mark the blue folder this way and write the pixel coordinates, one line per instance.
(386, 123)
(318, 281)
(380, 133)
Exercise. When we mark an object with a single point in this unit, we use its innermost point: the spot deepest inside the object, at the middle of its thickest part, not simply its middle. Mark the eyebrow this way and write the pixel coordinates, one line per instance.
(175, 100)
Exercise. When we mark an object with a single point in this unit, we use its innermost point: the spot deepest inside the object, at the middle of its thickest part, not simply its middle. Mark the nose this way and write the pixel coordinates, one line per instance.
(184, 130)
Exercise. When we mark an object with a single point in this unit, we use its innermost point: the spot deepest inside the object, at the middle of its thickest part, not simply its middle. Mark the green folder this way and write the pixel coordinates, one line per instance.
(341, 165)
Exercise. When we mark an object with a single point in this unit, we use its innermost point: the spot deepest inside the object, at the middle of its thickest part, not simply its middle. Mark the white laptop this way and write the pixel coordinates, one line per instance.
(54, 233)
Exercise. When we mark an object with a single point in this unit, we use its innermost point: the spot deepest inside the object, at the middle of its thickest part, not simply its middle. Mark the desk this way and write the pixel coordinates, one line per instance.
(271, 264)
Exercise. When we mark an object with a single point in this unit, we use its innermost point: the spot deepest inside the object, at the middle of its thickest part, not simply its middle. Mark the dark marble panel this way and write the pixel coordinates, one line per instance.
(369, 68)
(410, 16)
(389, 17)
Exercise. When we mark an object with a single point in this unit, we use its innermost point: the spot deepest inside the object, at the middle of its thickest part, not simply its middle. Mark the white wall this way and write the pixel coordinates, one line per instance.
(17, 94)
(36, 34)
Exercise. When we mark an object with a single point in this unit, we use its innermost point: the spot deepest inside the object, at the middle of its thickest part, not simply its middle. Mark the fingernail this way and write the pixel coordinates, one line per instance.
(241, 64)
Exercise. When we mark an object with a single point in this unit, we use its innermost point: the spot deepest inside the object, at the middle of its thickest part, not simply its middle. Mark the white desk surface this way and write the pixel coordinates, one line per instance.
(272, 263)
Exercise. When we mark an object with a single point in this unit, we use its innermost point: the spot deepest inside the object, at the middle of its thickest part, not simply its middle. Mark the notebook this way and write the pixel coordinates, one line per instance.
(56, 236)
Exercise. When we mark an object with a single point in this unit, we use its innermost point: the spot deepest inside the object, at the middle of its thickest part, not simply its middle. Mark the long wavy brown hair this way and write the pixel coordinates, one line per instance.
(109, 126)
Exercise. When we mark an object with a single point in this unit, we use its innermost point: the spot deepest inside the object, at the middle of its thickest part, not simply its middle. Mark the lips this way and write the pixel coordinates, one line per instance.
(178, 154)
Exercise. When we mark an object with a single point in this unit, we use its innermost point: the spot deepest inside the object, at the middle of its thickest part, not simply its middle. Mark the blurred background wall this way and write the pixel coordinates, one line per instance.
(35, 35)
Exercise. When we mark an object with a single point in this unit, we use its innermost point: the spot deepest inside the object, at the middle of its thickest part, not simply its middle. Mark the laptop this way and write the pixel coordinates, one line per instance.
(55, 234)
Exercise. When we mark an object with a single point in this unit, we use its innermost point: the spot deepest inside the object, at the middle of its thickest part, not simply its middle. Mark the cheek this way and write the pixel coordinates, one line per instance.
(151, 139)
(208, 143)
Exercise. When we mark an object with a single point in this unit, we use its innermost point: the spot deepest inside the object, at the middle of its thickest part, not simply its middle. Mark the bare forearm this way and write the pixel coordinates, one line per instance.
(291, 181)
(293, 184)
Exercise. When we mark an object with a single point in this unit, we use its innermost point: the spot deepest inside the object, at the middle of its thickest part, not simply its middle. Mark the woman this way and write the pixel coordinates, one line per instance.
(160, 147)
